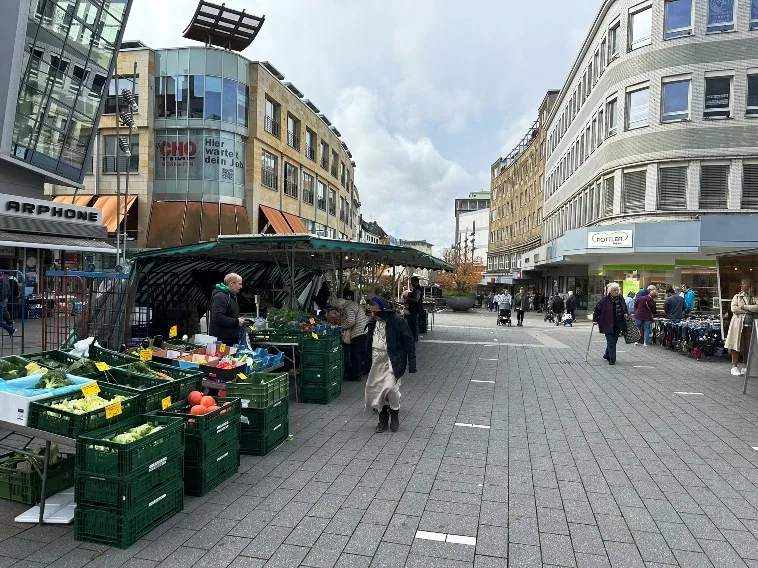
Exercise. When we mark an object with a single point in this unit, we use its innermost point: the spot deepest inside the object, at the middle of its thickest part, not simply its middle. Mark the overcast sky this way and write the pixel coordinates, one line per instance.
(426, 93)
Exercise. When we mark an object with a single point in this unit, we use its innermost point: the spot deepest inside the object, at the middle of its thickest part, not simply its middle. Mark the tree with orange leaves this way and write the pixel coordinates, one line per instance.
(467, 273)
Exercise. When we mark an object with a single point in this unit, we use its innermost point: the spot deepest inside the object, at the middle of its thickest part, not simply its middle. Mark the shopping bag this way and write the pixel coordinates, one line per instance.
(632, 334)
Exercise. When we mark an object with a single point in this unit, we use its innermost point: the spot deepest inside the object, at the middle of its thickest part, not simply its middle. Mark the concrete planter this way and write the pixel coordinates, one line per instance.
(460, 303)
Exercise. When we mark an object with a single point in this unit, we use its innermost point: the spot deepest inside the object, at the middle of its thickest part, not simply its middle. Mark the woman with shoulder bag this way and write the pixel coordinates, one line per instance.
(744, 306)
(610, 315)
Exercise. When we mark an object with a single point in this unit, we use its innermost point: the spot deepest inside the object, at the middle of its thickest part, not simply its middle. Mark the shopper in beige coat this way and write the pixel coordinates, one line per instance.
(744, 306)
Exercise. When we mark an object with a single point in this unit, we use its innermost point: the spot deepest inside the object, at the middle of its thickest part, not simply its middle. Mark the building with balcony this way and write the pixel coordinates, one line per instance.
(652, 163)
(472, 224)
(515, 212)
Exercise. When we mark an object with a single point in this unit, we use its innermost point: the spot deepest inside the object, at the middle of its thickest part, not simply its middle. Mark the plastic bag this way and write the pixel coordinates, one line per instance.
(81, 348)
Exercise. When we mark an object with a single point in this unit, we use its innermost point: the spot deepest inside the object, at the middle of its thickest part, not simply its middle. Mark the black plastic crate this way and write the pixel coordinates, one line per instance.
(263, 420)
(321, 394)
(205, 424)
(257, 444)
(26, 487)
(100, 525)
(218, 468)
(200, 448)
(97, 453)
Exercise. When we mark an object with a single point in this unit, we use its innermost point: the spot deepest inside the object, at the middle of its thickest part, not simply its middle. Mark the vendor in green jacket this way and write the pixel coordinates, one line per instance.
(225, 311)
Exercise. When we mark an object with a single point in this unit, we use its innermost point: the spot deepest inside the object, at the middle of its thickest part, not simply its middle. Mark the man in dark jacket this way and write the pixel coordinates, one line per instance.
(557, 306)
(571, 305)
(6, 322)
(225, 311)
(521, 303)
(610, 316)
(673, 306)
(415, 305)
(393, 350)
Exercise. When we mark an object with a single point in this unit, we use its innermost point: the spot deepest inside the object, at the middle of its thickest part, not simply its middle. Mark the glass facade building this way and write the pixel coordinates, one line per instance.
(201, 121)
(68, 55)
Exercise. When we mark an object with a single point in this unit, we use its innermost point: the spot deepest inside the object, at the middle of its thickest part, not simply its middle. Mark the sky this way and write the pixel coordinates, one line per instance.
(427, 94)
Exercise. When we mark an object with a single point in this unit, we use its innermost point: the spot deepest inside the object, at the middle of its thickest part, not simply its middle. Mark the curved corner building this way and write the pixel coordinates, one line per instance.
(652, 148)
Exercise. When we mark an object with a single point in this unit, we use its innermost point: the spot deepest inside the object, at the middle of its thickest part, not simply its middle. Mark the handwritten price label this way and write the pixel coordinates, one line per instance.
(242, 376)
(222, 348)
(165, 403)
(314, 336)
(113, 410)
(146, 355)
(312, 321)
(91, 389)
(173, 332)
(103, 366)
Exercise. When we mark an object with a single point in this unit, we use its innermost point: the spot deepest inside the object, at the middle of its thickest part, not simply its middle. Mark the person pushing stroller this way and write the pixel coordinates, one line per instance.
(505, 304)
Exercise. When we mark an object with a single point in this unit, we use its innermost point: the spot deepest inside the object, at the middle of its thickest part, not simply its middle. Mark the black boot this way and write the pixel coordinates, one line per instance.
(384, 418)
(395, 424)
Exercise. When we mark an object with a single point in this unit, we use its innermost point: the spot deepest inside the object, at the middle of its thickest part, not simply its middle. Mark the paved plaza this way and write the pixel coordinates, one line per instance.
(512, 451)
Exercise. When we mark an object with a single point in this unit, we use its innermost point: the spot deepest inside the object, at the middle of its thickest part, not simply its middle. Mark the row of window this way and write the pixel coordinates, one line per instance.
(272, 125)
(677, 23)
(676, 103)
(597, 200)
(504, 261)
(517, 228)
(314, 192)
(201, 97)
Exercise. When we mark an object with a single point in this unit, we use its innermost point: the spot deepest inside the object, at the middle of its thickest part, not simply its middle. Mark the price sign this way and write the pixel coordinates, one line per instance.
(165, 403)
(113, 410)
(222, 348)
(173, 332)
(242, 376)
(314, 336)
(103, 366)
(146, 355)
(91, 389)
(312, 321)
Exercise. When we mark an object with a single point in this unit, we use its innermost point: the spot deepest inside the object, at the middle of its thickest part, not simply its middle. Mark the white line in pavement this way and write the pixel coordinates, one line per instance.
(475, 381)
(486, 344)
(642, 367)
(458, 539)
(688, 393)
(439, 537)
(755, 448)
(472, 425)
(442, 537)
(483, 359)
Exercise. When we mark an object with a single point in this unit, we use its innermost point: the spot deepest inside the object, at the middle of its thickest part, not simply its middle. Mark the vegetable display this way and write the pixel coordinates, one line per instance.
(23, 463)
(142, 368)
(10, 371)
(53, 380)
(86, 404)
(82, 368)
(137, 433)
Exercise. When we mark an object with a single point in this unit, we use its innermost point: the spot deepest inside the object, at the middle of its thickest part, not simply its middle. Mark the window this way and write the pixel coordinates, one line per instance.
(754, 15)
(750, 186)
(720, 16)
(113, 89)
(608, 196)
(590, 73)
(196, 96)
(596, 68)
(718, 95)
(637, 109)
(594, 134)
(213, 88)
(310, 144)
(290, 180)
(335, 159)
(109, 156)
(321, 195)
(342, 173)
(672, 188)
(752, 94)
(293, 132)
(324, 155)
(613, 41)
(633, 191)
(307, 188)
(610, 116)
(600, 126)
(332, 202)
(678, 16)
(640, 28)
(714, 186)
(342, 209)
(271, 120)
(675, 100)
(603, 54)
(269, 171)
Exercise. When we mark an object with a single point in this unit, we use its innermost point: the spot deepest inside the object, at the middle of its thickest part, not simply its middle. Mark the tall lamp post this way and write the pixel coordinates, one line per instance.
(125, 118)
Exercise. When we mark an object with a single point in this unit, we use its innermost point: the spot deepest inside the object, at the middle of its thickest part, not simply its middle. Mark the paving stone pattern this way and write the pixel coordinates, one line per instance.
(582, 465)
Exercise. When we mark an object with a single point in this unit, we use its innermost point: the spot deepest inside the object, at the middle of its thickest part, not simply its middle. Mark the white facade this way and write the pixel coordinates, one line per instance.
(478, 224)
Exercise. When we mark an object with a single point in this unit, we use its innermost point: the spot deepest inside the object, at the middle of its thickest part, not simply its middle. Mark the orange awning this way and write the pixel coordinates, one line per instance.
(108, 205)
(276, 220)
(65, 199)
(295, 223)
(82, 200)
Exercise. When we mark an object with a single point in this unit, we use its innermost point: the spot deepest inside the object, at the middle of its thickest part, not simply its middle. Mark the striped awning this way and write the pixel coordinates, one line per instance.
(275, 222)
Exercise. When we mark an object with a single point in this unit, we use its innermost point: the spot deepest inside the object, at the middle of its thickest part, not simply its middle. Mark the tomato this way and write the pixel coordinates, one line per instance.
(199, 409)
(207, 401)
(194, 397)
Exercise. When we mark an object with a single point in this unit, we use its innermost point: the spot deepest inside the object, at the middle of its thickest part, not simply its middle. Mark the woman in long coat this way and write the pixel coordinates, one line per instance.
(393, 350)
(744, 306)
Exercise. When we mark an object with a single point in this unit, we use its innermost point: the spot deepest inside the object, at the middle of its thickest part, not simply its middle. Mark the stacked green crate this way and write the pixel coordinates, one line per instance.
(265, 411)
(323, 369)
(212, 444)
(125, 485)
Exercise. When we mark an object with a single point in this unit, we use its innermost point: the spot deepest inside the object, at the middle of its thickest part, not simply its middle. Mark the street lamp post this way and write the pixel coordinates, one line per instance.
(124, 144)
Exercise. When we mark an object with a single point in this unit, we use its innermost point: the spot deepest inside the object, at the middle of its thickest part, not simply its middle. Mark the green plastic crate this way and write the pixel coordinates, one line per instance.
(113, 358)
(205, 424)
(322, 377)
(61, 357)
(262, 420)
(323, 352)
(43, 417)
(96, 452)
(100, 525)
(121, 494)
(199, 449)
(15, 360)
(218, 468)
(260, 390)
(275, 336)
(325, 394)
(154, 389)
(173, 371)
(25, 487)
(257, 444)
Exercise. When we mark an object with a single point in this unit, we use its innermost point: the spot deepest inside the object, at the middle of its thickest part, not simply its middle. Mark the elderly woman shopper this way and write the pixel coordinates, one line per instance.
(354, 330)
(393, 350)
(611, 315)
(744, 308)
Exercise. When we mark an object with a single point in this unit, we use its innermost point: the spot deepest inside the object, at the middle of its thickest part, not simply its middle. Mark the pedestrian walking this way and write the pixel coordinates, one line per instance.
(538, 302)
(689, 299)
(744, 308)
(354, 332)
(571, 305)
(557, 306)
(225, 311)
(393, 350)
(610, 315)
(415, 305)
(521, 303)
(673, 307)
(6, 322)
(630, 303)
(644, 312)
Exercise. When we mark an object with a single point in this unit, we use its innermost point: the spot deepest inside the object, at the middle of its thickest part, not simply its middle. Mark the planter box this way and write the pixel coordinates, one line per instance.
(460, 303)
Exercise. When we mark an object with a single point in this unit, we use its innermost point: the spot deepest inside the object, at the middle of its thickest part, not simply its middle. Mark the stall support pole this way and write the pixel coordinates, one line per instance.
(43, 494)
(292, 282)
(394, 276)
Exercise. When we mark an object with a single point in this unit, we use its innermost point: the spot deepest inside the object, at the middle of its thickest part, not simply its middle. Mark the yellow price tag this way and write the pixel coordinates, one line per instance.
(222, 348)
(146, 355)
(314, 336)
(165, 403)
(103, 366)
(113, 410)
(311, 321)
(173, 332)
(91, 389)
(242, 376)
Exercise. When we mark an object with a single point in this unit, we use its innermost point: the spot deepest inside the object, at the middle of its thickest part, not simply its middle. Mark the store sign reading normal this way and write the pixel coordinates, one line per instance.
(609, 239)
(39, 209)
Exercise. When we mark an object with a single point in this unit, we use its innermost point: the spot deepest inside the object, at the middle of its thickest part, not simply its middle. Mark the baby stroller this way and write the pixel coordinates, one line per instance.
(567, 320)
(549, 316)
(504, 317)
